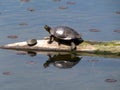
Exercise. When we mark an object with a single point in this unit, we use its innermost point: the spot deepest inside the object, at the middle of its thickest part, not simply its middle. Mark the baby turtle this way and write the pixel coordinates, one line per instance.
(31, 42)
(64, 34)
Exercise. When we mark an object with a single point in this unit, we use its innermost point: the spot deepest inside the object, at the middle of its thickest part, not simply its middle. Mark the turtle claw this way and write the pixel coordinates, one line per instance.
(49, 42)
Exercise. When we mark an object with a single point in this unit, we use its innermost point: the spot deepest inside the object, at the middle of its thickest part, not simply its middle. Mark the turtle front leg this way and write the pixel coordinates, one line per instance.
(73, 46)
(50, 40)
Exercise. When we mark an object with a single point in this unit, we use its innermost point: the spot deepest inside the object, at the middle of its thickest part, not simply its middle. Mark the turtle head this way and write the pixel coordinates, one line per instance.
(47, 28)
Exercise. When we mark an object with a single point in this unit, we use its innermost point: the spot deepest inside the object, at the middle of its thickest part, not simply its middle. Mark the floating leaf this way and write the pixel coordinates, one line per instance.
(31, 62)
(23, 24)
(63, 7)
(7, 73)
(56, 0)
(25, 0)
(70, 2)
(110, 80)
(118, 31)
(31, 9)
(12, 36)
(118, 12)
(94, 30)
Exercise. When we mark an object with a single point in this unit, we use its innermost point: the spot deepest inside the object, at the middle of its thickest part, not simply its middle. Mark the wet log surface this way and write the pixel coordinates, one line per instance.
(94, 47)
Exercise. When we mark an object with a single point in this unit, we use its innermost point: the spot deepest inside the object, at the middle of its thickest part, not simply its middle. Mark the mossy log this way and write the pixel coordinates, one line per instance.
(94, 47)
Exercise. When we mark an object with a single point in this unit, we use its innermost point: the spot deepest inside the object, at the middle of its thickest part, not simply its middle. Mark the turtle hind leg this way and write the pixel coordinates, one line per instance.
(58, 41)
(49, 42)
(73, 46)
(51, 39)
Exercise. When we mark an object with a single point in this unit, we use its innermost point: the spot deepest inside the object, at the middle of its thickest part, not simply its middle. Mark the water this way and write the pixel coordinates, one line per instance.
(26, 71)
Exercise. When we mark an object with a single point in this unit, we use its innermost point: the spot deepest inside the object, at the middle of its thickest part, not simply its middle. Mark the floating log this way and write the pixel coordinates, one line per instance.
(94, 47)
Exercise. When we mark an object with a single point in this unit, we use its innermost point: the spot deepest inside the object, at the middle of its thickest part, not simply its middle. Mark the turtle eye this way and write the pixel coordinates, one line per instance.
(45, 26)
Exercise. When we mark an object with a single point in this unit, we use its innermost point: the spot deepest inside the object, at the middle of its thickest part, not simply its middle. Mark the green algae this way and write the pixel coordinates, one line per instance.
(104, 48)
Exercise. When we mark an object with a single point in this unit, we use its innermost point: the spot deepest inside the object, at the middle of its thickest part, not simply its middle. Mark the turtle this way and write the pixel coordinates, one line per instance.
(31, 42)
(65, 35)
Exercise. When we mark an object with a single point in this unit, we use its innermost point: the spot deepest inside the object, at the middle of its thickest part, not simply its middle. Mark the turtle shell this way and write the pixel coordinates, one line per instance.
(64, 33)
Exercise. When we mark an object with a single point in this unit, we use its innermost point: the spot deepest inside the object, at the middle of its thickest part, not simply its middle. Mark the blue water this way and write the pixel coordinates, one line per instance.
(21, 71)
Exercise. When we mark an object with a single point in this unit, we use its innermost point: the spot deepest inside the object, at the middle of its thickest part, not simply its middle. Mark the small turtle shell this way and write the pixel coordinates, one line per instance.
(32, 42)
(65, 33)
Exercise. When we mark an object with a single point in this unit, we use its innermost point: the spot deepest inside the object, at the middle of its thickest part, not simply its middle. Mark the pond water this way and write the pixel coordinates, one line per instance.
(21, 20)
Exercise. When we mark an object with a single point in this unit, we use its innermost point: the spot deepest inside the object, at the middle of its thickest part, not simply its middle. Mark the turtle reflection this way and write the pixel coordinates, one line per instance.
(62, 61)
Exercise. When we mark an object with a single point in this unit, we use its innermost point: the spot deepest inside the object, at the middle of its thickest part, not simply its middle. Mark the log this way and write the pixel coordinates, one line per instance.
(94, 47)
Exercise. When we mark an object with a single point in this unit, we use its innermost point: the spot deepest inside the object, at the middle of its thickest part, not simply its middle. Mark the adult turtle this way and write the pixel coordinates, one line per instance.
(64, 34)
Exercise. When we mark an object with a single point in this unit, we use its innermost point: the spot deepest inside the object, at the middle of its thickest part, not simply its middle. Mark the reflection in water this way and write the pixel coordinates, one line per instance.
(59, 60)
(62, 61)
(31, 53)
